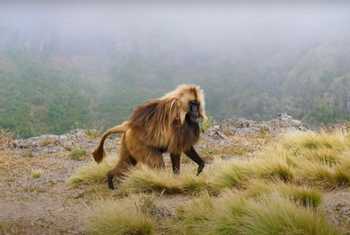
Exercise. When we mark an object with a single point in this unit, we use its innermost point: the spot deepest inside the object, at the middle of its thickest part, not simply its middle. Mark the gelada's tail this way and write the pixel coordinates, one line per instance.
(98, 153)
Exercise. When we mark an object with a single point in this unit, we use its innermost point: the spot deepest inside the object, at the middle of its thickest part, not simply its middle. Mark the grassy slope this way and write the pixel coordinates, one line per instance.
(277, 192)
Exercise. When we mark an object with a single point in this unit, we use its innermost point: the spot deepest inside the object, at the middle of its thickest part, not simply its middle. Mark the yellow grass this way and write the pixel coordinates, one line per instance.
(143, 179)
(92, 172)
(77, 154)
(232, 214)
(36, 173)
(120, 217)
(308, 158)
(277, 192)
(302, 195)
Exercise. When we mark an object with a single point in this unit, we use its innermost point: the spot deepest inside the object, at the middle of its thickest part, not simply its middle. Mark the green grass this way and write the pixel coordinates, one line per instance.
(77, 154)
(92, 133)
(36, 174)
(206, 124)
(122, 217)
(11, 227)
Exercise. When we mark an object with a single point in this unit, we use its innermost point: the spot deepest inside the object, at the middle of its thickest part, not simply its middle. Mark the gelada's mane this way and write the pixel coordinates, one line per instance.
(159, 117)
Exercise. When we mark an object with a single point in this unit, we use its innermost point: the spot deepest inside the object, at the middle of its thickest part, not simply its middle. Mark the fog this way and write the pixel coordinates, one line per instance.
(224, 28)
(253, 60)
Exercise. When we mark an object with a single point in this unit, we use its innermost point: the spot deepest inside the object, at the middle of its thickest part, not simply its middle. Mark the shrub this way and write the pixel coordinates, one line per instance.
(92, 133)
(77, 154)
(206, 124)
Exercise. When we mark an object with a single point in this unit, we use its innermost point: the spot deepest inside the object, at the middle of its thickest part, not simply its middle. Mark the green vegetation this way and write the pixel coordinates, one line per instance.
(92, 133)
(43, 94)
(37, 97)
(36, 174)
(206, 124)
(77, 154)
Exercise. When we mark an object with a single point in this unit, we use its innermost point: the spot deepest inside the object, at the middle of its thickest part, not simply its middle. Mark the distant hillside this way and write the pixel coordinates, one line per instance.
(56, 76)
(40, 95)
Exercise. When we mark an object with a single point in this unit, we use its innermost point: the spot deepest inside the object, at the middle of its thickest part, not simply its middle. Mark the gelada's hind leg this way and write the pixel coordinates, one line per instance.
(154, 159)
(143, 153)
(122, 167)
(147, 156)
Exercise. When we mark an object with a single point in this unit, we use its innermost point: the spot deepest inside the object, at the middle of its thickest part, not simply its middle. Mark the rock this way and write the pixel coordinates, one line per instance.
(243, 127)
(49, 144)
(218, 134)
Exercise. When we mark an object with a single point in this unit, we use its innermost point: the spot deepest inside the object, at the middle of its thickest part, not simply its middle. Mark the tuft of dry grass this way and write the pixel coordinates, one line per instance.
(77, 154)
(277, 192)
(302, 195)
(92, 133)
(27, 153)
(144, 179)
(233, 174)
(11, 227)
(6, 138)
(36, 173)
(191, 217)
(273, 168)
(301, 141)
(92, 172)
(232, 214)
(111, 217)
(307, 158)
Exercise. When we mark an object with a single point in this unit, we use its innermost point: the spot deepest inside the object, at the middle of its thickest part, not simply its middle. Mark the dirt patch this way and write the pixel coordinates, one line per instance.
(337, 209)
(43, 205)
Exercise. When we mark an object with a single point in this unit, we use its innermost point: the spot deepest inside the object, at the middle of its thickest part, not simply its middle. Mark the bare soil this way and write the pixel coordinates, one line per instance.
(46, 204)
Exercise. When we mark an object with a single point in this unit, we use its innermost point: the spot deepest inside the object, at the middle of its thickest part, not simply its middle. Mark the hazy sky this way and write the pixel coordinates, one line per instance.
(203, 23)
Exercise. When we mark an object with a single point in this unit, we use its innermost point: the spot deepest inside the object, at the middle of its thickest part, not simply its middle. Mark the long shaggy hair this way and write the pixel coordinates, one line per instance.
(160, 120)
(157, 126)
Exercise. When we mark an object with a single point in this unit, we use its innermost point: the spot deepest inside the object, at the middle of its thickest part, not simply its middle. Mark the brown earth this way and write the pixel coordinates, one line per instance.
(36, 199)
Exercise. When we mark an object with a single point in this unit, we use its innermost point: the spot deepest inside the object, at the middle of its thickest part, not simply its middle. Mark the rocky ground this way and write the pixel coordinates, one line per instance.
(35, 198)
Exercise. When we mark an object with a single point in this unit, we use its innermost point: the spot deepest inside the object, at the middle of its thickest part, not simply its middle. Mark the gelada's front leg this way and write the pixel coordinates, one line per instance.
(175, 162)
(193, 155)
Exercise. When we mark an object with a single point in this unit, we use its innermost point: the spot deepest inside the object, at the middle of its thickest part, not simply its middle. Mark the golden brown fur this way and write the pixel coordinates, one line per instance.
(155, 127)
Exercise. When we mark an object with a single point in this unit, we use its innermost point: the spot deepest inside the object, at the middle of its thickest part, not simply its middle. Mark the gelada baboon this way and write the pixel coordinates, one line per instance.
(168, 124)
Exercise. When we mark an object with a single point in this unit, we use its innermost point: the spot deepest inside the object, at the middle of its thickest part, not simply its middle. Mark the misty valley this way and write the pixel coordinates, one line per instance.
(175, 118)
(64, 67)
